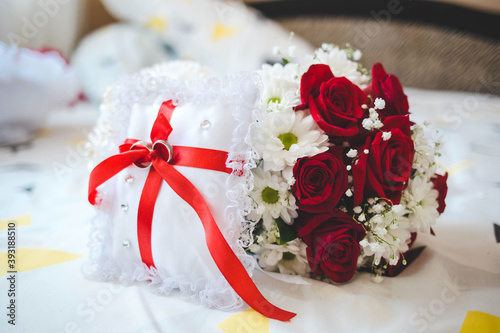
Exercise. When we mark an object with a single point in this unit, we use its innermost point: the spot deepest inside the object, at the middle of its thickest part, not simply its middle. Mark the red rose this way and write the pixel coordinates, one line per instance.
(320, 181)
(388, 87)
(332, 243)
(334, 102)
(385, 170)
(441, 186)
(402, 122)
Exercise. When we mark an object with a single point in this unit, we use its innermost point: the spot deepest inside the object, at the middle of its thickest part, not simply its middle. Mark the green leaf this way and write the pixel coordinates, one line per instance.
(287, 232)
(288, 256)
(285, 61)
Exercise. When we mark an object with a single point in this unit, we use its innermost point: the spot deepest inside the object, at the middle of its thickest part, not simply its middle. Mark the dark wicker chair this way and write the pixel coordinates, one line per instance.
(429, 45)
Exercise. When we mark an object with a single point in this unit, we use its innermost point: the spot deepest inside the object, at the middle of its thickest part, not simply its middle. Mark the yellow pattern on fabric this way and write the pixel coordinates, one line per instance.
(459, 166)
(220, 31)
(76, 141)
(27, 259)
(246, 321)
(44, 133)
(158, 24)
(20, 221)
(480, 322)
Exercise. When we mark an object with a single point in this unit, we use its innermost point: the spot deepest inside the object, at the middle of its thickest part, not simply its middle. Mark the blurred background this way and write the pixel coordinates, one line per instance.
(86, 45)
(439, 44)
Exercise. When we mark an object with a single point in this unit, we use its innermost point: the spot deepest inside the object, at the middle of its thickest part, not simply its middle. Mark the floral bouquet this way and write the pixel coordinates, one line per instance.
(344, 178)
(309, 167)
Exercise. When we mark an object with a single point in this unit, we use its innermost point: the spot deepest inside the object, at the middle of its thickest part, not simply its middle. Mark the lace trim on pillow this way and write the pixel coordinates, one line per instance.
(148, 87)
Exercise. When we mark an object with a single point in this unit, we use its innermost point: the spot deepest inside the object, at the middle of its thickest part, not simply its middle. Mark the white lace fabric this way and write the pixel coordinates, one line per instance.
(178, 244)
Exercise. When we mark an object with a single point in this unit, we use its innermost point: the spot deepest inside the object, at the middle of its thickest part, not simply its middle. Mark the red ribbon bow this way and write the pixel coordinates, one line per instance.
(161, 157)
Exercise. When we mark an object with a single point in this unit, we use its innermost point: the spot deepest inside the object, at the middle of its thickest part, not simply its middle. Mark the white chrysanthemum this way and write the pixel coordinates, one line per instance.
(283, 137)
(423, 162)
(420, 199)
(287, 173)
(388, 236)
(280, 86)
(271, 198)
(339, 63)
(289, 258)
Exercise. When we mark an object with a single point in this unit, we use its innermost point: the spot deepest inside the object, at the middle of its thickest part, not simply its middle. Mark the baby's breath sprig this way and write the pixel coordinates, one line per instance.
(370, 215)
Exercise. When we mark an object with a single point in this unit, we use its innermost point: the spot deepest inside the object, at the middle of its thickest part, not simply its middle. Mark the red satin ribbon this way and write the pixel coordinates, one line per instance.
(222, 254)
